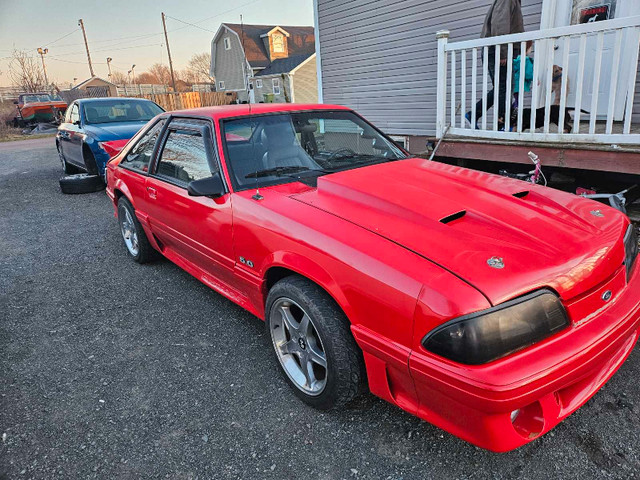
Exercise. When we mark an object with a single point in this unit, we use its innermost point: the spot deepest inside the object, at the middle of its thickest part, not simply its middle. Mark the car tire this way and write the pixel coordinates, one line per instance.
(327, 336)
(133, 235)
(67, 168)
(81, 183)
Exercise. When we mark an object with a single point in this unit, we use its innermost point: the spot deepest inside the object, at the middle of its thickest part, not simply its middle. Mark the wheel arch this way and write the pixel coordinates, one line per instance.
(120, 189)
(89, 158)
(285, 265)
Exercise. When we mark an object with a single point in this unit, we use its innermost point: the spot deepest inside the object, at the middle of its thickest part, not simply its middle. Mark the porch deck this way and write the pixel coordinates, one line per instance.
(584, 156)
(607, 136)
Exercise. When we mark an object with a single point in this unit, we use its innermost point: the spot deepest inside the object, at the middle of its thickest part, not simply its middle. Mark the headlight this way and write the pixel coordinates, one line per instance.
(630, 248)
(493, 333)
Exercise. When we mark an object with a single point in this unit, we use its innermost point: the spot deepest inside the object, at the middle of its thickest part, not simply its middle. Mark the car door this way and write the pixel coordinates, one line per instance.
(64, 132)
(134, 168)
(196, 229)
(73, 142)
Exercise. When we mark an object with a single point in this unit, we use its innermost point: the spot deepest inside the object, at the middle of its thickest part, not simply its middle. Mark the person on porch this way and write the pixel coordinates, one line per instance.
(503, 18)
(528, 74)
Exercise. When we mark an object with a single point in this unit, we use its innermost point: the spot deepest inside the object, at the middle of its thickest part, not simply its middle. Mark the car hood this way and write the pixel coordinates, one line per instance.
(460, 219)
(105, 132)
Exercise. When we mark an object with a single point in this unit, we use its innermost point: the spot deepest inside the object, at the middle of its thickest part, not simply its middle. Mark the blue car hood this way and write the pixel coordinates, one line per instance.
(105, 132)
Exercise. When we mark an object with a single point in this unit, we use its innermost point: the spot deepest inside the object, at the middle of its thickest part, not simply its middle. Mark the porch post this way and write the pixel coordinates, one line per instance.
(441, 90)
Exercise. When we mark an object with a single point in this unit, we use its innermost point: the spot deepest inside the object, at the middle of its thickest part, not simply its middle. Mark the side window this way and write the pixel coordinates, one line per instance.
(74, 116)
(139, 156)
(184, 157)
(67, 114)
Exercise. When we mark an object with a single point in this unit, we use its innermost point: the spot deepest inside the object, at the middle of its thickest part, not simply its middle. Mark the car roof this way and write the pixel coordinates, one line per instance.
(226, 111)
(109, 99)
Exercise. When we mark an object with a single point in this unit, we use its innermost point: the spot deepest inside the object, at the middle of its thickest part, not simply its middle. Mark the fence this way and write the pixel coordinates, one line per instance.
(604, 90)
(89, 92)
(180, 101)
(141, 89)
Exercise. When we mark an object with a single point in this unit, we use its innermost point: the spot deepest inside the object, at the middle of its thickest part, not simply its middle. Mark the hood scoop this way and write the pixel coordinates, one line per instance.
(521, 194)
(453, 217)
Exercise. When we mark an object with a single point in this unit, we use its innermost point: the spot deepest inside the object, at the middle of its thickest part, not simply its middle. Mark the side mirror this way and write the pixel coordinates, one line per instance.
(206, 187)
(15, 102)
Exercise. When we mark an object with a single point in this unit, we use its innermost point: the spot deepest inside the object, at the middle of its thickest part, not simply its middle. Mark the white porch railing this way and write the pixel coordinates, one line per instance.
(607, 94)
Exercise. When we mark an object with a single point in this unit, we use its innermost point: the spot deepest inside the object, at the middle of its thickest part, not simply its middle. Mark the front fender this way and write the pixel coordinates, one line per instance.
(100, 157)
(307, 268)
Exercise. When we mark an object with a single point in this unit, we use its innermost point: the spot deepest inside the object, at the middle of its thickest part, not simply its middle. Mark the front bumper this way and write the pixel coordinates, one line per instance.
(544, 384)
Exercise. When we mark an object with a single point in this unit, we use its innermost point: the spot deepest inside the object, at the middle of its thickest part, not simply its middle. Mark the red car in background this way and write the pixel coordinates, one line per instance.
(490, 307)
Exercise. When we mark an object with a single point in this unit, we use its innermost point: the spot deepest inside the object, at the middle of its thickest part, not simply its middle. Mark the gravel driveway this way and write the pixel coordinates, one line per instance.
(110, 369)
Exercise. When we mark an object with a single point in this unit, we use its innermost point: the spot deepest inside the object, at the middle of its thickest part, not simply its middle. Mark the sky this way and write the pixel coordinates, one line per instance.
(129, 31)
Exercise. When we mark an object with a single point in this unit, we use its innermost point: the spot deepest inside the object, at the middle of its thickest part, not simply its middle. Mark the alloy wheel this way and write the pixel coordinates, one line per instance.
(298, 346)
(129, 233)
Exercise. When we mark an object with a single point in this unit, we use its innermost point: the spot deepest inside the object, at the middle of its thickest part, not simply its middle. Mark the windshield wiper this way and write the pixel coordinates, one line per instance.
(277, 171)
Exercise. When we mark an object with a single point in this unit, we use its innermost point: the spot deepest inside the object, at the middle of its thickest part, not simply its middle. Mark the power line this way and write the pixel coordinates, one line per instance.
(64, 36)
(190, 24)
(145, 35)
(195, 24)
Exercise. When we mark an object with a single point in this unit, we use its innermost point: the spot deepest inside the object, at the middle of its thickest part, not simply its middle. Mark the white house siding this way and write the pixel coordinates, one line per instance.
(635, 117)
(305, 83)
(267, 87)
(379, 57)
(228, 63)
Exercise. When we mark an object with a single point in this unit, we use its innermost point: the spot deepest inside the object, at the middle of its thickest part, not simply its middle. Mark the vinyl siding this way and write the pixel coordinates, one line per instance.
(228, 63)
(305, 83)
(379, 57)
(635, 116)
(267, 87)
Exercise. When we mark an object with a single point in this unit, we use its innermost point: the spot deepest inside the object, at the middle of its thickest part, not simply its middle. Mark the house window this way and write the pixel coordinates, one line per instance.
(276, 86)
(278, 43)
(227, 43)
(220, 85)
(258, 83)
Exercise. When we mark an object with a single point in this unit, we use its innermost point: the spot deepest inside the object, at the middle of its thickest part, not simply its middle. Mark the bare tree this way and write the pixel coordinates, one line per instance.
(146, 77)
(197, 70)
(25, 72)
(161, 73)
(118, 78)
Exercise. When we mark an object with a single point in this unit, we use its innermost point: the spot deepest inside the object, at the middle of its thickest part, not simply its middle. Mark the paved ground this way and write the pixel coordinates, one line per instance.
(114, 370)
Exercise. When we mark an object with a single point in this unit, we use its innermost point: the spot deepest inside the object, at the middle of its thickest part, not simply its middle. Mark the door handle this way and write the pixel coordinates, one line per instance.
(152, 192)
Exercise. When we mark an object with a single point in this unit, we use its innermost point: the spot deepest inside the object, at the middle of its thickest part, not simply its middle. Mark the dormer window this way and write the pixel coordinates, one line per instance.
(277, 40)
(227, 43)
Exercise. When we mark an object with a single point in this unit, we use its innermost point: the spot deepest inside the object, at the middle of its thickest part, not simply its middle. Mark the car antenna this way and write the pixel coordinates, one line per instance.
(257, 195)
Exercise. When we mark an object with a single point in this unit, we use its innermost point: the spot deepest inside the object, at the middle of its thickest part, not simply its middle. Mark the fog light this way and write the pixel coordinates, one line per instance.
(528, 421)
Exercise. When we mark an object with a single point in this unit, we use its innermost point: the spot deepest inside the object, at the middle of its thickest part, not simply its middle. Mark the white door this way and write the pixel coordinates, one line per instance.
(559, 13)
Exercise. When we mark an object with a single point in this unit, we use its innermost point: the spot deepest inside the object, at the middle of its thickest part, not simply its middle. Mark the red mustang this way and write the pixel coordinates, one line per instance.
(490, 307)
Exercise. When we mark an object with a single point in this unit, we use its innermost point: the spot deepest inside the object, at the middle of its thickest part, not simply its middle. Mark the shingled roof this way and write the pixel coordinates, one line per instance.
(300, 42)
(283, 65)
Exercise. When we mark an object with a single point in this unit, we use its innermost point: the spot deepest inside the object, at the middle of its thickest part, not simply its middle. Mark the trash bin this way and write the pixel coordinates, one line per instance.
(268, 97)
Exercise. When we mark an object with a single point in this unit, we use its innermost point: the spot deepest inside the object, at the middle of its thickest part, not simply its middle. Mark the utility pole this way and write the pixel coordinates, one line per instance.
(86, 44)
(109, 59)
(166, 40)
(43, 52)
(133, 74)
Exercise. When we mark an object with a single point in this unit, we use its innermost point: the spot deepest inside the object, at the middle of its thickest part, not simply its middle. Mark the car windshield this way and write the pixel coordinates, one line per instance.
(111, 111)
(270, 149)
(38, 97)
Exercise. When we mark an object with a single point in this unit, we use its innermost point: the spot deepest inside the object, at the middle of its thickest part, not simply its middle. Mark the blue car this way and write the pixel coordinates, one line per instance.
(89, 123)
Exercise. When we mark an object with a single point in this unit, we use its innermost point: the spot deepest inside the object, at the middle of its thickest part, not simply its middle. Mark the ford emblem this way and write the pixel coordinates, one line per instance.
(597, 213)
(495, 262)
